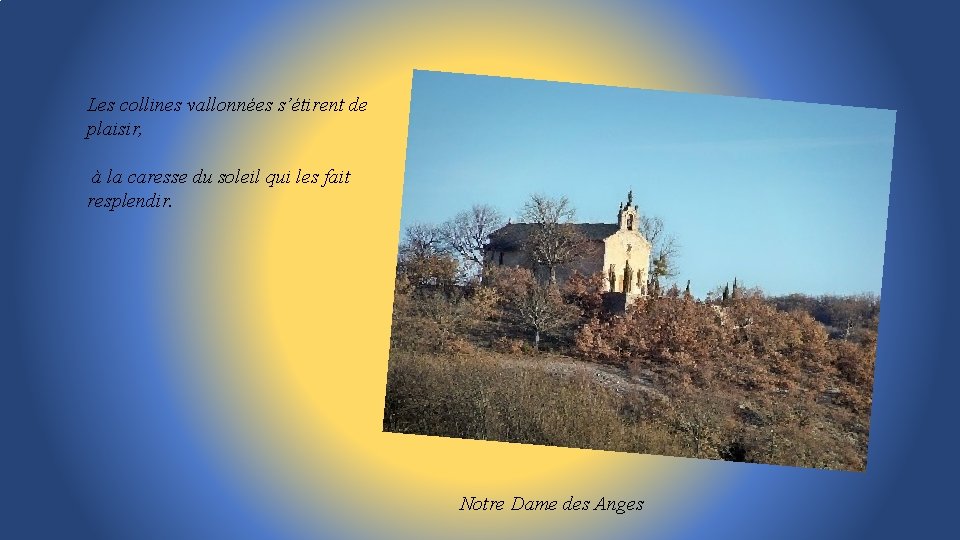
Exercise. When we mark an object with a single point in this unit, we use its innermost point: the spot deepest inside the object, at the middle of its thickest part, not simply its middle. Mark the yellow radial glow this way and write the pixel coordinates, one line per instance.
(295, 283)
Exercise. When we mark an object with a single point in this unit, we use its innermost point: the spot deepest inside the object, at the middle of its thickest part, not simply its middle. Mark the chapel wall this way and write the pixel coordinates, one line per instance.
(616, 255)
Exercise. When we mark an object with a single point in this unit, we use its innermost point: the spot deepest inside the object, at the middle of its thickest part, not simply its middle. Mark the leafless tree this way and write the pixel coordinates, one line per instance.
(533, 306)
(423, 261)
(665, 249)
(421, 239)
(542, 309)
(554, 240)
(466, 233)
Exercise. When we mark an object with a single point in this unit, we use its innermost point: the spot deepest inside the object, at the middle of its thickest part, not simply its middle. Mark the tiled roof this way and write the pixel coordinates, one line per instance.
(511, 237)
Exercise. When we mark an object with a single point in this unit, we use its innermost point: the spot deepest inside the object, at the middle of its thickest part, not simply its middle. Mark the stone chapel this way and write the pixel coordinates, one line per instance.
(617, 250)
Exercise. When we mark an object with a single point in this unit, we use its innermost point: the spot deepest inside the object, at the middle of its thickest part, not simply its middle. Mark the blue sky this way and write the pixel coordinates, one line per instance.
(791, 197)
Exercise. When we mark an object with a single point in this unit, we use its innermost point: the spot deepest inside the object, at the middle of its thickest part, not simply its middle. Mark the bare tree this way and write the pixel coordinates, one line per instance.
(423, 261)
(466, 233)
(542, 309)
(665, 249)
(554, 240)
(422, 239)
(537, 307)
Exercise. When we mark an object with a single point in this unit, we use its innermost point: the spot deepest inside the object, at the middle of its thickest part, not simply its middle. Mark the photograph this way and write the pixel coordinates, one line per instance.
(639, 271)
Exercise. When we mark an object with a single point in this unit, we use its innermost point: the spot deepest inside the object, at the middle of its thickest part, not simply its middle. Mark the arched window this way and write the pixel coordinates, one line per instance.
(629, 223)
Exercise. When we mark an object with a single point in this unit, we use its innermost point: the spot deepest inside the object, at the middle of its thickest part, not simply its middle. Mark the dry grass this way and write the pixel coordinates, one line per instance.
(491, 396)
(481, 396)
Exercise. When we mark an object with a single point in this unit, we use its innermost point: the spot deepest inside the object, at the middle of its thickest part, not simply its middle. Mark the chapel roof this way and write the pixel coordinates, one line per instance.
(511, 237)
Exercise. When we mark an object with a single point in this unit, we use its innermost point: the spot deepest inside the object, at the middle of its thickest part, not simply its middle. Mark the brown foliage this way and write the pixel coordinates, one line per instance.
(854, 361)
(843, 316)
(433, 270)
(748, 343)
(435, 320)
(586, 294)
(535, 306)
(668, 329)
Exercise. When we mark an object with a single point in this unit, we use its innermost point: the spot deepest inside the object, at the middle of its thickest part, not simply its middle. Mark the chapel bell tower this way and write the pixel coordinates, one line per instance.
(627, 218)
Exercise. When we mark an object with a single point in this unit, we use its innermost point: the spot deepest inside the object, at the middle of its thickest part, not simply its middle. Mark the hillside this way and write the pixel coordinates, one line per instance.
(745, 377)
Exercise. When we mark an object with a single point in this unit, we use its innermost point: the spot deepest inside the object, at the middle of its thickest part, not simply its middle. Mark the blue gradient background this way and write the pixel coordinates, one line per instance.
(101, 437)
